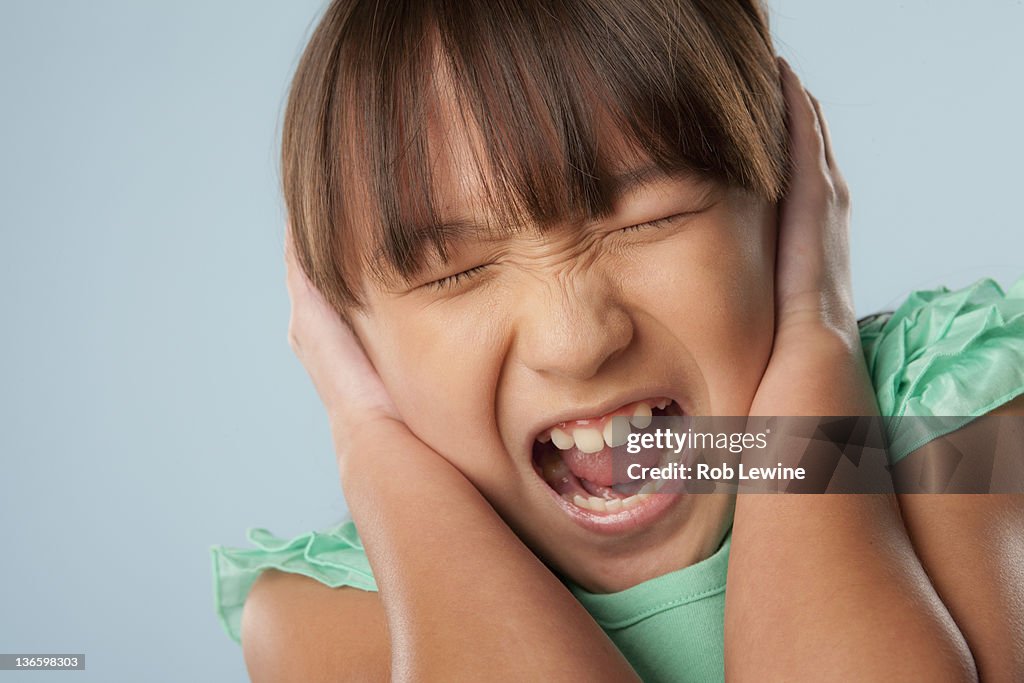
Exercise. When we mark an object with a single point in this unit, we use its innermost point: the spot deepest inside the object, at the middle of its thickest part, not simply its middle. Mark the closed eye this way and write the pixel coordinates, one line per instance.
(452, 281)
(659, 223)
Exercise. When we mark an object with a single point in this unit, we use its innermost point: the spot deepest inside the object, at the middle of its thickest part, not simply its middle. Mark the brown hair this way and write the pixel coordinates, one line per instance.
(691, 84)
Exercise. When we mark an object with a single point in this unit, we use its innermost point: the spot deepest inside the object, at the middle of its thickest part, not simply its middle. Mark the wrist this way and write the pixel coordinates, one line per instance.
(368, 437)
(383, 454)
(819, 371)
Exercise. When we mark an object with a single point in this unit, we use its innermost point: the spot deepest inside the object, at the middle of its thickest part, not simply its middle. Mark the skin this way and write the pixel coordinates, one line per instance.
(575, 319)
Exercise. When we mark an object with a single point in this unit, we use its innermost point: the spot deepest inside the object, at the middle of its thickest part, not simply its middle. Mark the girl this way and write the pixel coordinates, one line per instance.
(513, 221)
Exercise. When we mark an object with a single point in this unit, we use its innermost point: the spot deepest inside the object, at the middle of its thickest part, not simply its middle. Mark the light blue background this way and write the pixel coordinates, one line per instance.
(151, 406)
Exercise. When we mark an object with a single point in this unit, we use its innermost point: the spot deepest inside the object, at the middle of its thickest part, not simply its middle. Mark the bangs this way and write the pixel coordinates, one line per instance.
(554, 96)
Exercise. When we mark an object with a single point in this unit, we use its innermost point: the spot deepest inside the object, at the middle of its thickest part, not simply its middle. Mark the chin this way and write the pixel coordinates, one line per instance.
(691, 530)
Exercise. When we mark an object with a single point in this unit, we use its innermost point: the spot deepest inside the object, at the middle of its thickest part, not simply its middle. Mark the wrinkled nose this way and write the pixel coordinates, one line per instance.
(572, 328)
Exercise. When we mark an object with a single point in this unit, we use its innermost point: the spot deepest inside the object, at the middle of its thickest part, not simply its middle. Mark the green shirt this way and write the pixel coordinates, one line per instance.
(670, 628)
(942, 352)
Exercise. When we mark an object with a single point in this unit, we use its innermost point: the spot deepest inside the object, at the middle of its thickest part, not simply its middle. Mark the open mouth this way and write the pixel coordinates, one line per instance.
(586, 462)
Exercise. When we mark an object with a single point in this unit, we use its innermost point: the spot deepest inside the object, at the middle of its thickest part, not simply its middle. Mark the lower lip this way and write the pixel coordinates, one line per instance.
(641, 515)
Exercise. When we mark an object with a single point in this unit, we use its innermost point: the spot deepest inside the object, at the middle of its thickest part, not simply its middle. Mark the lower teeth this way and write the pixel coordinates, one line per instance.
(614, 504)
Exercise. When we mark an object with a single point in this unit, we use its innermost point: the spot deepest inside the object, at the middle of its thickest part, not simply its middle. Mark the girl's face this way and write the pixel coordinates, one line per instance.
(669, 296)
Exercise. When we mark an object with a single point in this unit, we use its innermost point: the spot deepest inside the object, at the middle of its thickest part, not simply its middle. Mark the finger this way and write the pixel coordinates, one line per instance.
(826, 136)
(838, 181)
(304, 295)
(802, 121)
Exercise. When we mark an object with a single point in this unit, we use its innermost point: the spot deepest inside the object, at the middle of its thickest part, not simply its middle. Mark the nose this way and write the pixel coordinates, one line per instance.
(571, 327)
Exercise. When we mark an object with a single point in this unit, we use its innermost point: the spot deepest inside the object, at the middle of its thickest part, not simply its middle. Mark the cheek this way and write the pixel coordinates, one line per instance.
(712, 289)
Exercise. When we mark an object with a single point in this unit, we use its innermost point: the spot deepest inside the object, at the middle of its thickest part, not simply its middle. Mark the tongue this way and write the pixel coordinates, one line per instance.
(594, 467)
(608, 466)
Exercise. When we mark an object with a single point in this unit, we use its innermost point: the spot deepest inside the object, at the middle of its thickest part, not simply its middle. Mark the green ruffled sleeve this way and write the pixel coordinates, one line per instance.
(945, 353)
(334, 557)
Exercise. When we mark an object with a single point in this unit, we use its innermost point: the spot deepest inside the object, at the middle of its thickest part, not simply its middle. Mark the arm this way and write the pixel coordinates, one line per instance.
(973, 549)
(827, 586)
(496, 613)
(461, 597)
(464, 598)
(297, 630)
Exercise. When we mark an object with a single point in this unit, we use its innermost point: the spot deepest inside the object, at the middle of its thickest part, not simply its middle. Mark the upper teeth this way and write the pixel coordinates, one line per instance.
(615, 428)
(588, 440)
(594, 439)
(642, 416)
(562, 440)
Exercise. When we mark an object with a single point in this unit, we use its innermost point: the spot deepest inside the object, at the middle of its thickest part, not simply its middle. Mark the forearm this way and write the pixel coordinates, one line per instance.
(463, 596)
(972, 546)
(829, 586)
